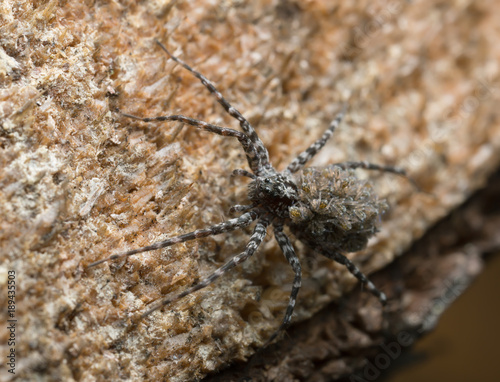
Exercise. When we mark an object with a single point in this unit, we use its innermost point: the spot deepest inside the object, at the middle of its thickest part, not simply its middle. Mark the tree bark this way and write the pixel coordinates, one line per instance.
(80, 182)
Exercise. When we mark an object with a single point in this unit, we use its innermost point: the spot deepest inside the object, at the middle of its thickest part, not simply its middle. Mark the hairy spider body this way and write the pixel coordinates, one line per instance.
(328, 208)
(336, 211)
(274, 193)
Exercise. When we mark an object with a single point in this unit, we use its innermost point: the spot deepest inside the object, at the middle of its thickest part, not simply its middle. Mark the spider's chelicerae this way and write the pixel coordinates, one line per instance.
(327, 208)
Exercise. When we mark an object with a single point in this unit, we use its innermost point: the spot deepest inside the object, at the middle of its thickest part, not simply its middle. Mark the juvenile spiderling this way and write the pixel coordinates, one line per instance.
(327, 208)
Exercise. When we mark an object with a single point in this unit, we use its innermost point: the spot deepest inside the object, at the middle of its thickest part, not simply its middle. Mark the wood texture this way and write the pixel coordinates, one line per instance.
(78, 182)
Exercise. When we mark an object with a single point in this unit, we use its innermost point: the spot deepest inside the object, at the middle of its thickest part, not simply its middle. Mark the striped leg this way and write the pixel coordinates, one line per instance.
(241, 208)
(242, 172)
(245, 125)
(255, 240)
(312, 150)
(339, 258)
(229, 225)
(372, 166)
(248, 146)
(293, 260)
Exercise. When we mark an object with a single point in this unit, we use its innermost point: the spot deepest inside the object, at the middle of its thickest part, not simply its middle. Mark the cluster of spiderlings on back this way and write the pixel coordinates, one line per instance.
(336, 207)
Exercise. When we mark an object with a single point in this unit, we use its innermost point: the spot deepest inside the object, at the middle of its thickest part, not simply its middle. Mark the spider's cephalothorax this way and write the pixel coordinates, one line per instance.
(328, 209)
(274, 194)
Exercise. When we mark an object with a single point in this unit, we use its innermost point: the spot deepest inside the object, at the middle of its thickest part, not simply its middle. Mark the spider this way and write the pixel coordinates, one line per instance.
(327, 208)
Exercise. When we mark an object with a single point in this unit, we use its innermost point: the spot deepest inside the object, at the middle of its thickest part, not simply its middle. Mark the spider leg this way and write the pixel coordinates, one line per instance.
(245, 125)
(293, 260)
(250, 149)
(312, 150)
(339, 258)
(242, 172)
(229, 225)
(241, 208)
(372, 166)
(258, 235)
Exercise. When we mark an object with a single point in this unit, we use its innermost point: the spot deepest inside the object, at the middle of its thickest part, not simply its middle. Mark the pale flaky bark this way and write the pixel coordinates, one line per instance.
(78, 182)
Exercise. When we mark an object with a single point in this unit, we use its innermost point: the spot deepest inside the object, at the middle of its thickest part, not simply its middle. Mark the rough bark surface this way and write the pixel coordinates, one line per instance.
(347, 342)
(78, 182)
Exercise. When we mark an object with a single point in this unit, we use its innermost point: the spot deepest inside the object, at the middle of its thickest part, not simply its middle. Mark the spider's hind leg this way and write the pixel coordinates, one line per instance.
(371, 166)
(293, 260)
(377, 167)
(339, 258)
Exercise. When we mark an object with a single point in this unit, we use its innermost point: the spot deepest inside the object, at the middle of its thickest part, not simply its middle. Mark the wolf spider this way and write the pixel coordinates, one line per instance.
(327, 208)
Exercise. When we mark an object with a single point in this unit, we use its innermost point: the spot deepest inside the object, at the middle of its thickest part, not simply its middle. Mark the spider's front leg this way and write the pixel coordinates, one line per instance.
(312, 150)
(249, 131)
(258, 235)
(253, 158)
(227, 226)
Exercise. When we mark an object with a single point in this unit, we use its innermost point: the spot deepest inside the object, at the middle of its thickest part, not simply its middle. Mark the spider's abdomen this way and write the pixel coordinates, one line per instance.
(336, 210)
